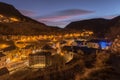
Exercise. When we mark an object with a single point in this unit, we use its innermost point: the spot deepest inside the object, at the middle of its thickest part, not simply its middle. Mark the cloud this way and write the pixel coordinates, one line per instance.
(28, 13)
(62, 18)
(53, 18)
(73, 12)
(59, 24)
(63, 15)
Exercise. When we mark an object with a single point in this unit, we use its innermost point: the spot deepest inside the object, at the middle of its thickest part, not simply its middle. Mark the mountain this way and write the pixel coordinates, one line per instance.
(9, 10)
(12, 22)
(99, 26)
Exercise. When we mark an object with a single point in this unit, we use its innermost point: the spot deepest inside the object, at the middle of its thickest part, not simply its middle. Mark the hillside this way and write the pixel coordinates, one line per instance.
(103, 65)
(12, 22)
(99, 26)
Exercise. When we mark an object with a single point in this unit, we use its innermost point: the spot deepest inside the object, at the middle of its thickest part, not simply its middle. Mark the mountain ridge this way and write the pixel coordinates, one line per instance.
(99, 26)
(24, 26)
(28, 26)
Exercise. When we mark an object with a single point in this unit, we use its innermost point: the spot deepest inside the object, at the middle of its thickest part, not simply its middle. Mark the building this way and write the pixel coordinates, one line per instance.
(93, 43)
(2, 60)
(40, 59)
(48, 48)
(99, 44)
(79, 43)
(4, 73)
(67, 52)
(115, 47)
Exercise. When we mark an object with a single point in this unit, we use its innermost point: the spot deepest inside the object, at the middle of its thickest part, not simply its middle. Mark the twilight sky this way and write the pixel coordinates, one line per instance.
(62, 12)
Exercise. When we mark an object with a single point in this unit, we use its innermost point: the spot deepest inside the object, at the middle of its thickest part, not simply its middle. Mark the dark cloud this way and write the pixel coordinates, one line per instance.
(63, 15)
(73, 12)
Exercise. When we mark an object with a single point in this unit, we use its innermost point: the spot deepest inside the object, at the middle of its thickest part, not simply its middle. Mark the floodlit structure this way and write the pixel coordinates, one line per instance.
(40, 60)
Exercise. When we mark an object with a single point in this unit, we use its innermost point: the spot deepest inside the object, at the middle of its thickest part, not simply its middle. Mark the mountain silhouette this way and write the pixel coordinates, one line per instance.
(99, 26)
(28, 26)
(24, 25)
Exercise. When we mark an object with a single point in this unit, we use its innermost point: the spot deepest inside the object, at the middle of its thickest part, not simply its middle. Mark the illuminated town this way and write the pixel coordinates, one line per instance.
(19, 47)
(32, 48)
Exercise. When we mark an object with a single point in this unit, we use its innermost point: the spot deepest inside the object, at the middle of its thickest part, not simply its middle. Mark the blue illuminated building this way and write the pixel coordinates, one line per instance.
(103, 44)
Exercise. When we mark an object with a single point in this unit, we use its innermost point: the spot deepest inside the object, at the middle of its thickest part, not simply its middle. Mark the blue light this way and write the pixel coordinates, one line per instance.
(103, 44)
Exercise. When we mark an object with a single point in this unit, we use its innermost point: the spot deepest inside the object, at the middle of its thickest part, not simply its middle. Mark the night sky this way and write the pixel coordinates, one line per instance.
(62, 12)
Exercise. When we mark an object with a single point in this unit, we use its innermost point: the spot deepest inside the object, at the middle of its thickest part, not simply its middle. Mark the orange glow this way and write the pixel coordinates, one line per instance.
(1, 16)
(14, 19)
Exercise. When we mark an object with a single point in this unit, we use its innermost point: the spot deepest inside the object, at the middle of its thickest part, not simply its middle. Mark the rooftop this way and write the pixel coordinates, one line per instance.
(47, 47)
(1, 54)
(10, 48)
(41, 53)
